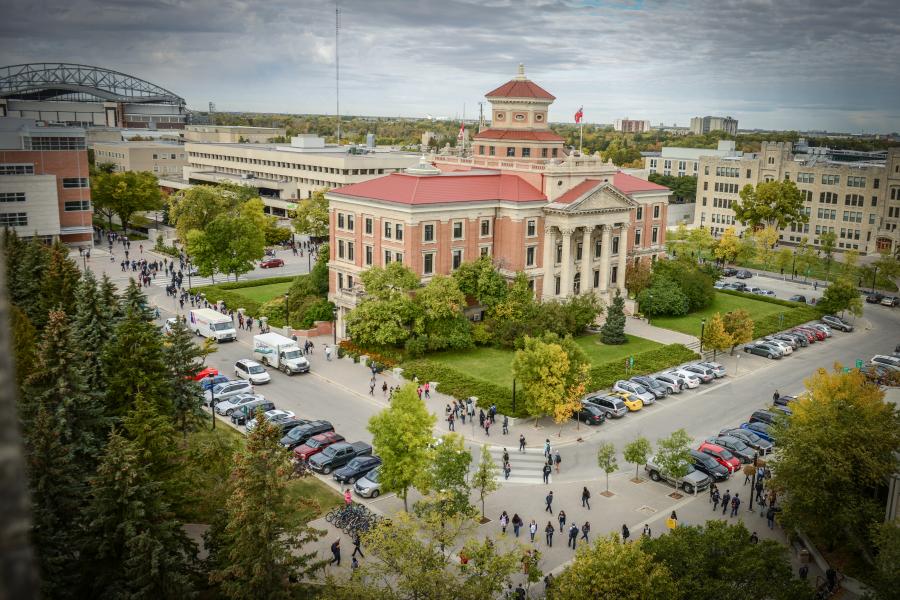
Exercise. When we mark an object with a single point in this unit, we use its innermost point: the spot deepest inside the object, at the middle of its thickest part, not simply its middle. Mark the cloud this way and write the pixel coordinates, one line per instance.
(799, 64)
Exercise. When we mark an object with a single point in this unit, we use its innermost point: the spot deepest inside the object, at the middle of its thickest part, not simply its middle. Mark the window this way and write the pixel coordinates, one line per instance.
(854, 200)
(368, 226)
(387, 257)
(596, 278)
(640, 213)
(805, 178)
(578, 250)
(598, 247)
(484, 250)
(340, 281)
(771, 160)
(615, 274)
(350, 251)
(481, 150)
(341, 249)
(155, 156)
(369, 254)
(16, 219)
(828, 197)
(340, 223)
(75, 182)
(543, 153)
(655, 235)
(856, 182)
(706, 169)
(615, 246)
(637, 236)
(53, 143)
(485, 227)
(388, 229)
(350, 222)
(874, 200)
(12, 196)
(77, 205)
(531, 227)
(559, 253)
(492, 151)
(876, 183)
(557, 286)
(398, 257)
(510, 151)
(428, 233)
(457, 230)
(457, 258)
(529, 256)
(656, 211)
(706, 185)
(831, 179)
(398, 231)
(428, 263)
(526, 152)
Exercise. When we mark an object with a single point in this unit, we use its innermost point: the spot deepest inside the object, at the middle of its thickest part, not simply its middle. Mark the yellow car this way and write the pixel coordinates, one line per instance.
(631, 401)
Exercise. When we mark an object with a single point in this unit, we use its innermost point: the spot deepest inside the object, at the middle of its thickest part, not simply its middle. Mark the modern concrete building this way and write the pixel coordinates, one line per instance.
(627, 125)
(44, 181)
(228, 134)
(571, 223)
(858, 200)
(679, 162)
(285, 173)
(161, 158)
(703, 125)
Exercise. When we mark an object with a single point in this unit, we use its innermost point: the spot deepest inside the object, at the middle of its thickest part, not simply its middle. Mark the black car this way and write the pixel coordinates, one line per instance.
(784, 400)
(744, 274)
(658, 390)
(739, 286)
(763, 416)
(759, 444)
(590, 414)
(707, 464)
(289, 424)
(874, 297)
(729, 271)
(798, 298)
(357, 468)
(742, 451)
(298, 435)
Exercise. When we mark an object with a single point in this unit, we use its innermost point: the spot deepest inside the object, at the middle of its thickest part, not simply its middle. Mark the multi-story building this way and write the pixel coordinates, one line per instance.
(44, 181)
(232, 134)
(850, 199)
(679, 162)
(571, 223)
(627, 125)
(704, 125)
(283, 173)
(160, 158)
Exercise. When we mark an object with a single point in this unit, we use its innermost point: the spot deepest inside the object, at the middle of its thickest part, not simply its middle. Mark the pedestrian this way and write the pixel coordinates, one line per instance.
(646, 532)
(249, 323)
(754, 539)
(506, 470)
(748, 473)
(504, 521)
(336, 552)
(493, 411)
(815, 285)
(487, 427)
(715, 500)
(759, 490)
(427, 390)
(562, 520)
(803, 573)
(348, 499)
(419, 392)
(770, 517)
(672, 521)
(625, 533)
(505, 455)
(505, 424)
(372, 387)
(384, 387)
(462, 415)
(547, 448)
(450, 422)
(547, 470)
(585, 498)
(354, 564)
(532, 529)
(735, 505)
(712, 489)
(481, 417)
(521, 442)
(516, 523)
(726, 498)
(549, 500)
(548, 533)
(573, 536)
(356, 546)
(557, 459)
(328, 353)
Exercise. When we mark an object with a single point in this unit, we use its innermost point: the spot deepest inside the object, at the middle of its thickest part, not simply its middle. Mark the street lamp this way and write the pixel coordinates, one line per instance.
(287, 309)
(514, 395)
(334, 323)
(702, 328)
(753, 484)
(212, 404)
(794, 266)
(874, 275)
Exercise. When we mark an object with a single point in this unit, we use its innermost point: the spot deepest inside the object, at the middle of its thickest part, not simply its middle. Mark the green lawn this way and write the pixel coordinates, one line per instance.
(495, 365)
(264, 293)
(723, 303)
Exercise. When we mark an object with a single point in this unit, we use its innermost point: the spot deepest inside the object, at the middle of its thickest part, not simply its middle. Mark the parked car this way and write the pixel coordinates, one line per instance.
(798, 298)
(800, 339)
(316, 444)
(759, 444)
(273, 416)
(890, 301)
(745, 453)
(874, 297)
(823, 328)
(168, 325)
(820, 335)
(718, 370)
(210, 381)
(704, 373)
(635, 389)
(270, 263)
(206, 372)
(656, 388)
(739, 286)
(356, 469)
(229, 405)
(810, 336)
(633, 403)
(783, 339)
(289, 424)
(722, 455)
(337, 455)
(881, 374)
(889, 362)
(693, 481)
(762, 350)
(837, 323)
(613, 406)
(369, 486)
(227, 389)
(729, 271)
(780, 408)
(590, 414)
(251, 370)
(753, 290)
(744, 274)
(721, 285)
(763, 416)
(707, 464)
(784, 400)
(247, 412)
(783, 347)
(690, 379)
(297, 436)
(765, 292)
(673, 383)
(763, 430)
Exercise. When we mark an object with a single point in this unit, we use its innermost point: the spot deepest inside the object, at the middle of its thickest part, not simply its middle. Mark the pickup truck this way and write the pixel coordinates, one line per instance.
(693, 481)
(337, 455)
(316, 444)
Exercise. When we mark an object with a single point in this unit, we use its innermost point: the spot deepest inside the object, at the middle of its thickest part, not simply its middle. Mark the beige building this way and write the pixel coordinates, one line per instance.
(679, 162)
(851, 199)
(704, 125)
(285, 173)
(627, 125)
(232, 134)
(160, 158)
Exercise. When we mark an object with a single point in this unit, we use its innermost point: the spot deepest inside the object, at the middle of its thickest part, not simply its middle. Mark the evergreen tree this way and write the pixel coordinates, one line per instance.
(135, 301)
(259, 551)
(184, 359)
(613, 330)
(94, 328)
(138, 550)
(109, 298)
(24, 345)
(60, 280)
(26, 275)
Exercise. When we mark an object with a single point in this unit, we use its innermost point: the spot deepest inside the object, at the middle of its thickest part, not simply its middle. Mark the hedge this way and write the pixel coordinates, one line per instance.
(221, 291)
(760, 298)
(798, 314)
(460, 385)
(236, 285)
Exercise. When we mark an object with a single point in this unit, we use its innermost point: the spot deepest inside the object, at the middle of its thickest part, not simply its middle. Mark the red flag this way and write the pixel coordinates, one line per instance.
(462, 131)
(579, 115)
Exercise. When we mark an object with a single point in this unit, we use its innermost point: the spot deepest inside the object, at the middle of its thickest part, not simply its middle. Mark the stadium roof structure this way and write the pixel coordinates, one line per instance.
(84, 83)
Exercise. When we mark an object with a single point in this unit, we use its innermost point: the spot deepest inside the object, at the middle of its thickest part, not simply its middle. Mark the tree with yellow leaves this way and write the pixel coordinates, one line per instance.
(728, 247)
(739, 326)
(765, 239)
(715, 337)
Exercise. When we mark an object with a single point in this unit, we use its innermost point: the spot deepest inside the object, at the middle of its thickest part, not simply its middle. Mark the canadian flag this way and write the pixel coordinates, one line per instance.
(579, 115)
(462, 131)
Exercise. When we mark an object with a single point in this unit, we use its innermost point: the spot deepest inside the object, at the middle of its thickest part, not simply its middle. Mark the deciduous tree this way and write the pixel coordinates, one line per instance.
(484, 479)
(312, 216)
(386, 282)
(448, 472)
(739, 326)
(637, 277)
(543, 369)
(841, 296)
(765, 240)
(480, 280)
(783, 259)
(606, 460)
(728, 246)
(637, 452)
(715, 336)
(126, 193)
(827, 242)
(673, 454)
(613, 330)
(771, 203)
(663, 297)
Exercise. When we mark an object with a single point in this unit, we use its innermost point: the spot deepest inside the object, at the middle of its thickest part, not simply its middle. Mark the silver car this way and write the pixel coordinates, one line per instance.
(613, 407)
(693, 481)
(704, 373)
(671, 382)
(369, 486)
(228, 406)
(717, 369)
(690, 379)
(273, 416)
(637, 389)
(227, 389)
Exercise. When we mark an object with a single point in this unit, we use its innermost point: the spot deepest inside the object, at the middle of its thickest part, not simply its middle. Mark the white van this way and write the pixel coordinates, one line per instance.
(212, 324)
(280, 352)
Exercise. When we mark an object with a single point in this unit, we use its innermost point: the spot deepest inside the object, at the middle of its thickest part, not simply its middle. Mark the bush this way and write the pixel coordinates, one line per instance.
(416, 347)
(236, 285)
(390, 358)
(459, 385)
(663, 297)
(604, 375)
(768, 299)
(164, 249)
(772, 323)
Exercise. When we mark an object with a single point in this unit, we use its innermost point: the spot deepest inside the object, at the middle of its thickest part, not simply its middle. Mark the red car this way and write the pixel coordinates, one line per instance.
(270, 263)
(316, 444)
(207, 372)
(809, 335)
(721, 455)
(820, 335)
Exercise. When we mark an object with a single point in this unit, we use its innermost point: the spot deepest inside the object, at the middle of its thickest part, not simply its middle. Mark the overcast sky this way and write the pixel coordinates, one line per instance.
(780, 64)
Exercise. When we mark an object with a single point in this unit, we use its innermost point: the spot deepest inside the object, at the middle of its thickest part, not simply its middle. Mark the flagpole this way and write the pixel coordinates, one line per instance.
(581, 138)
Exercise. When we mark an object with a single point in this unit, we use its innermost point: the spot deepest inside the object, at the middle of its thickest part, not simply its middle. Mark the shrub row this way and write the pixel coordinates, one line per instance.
(772, 323)
(236, 285)
(232, 300)
(348, 347)
(768, 299)
(604, 375)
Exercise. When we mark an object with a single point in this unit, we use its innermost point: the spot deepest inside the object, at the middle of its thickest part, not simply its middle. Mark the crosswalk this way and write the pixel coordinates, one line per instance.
(526, 467)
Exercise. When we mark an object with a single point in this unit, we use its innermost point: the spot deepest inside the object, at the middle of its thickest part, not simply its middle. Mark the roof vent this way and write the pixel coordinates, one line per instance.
(423, 168)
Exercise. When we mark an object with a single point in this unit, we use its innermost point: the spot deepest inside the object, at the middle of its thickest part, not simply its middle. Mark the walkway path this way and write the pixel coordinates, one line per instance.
(641, 328)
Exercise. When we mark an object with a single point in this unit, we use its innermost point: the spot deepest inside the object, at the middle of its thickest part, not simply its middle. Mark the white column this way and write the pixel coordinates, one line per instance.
(605, 249)
(587, 281)
(549, 254)
(623, 258)
(565, 288)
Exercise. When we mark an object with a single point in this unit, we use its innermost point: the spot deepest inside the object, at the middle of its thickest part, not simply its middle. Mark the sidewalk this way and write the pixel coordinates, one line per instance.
(641, 328)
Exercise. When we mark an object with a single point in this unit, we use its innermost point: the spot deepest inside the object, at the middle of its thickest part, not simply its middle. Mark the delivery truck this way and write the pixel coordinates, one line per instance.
(212, 324)
(277, 351)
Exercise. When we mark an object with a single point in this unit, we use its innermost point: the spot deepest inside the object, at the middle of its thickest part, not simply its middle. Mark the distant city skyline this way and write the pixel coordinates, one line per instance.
(803, 65)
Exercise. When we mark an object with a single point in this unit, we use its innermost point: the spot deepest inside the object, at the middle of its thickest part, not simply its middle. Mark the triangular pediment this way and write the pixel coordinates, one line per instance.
(603, 198)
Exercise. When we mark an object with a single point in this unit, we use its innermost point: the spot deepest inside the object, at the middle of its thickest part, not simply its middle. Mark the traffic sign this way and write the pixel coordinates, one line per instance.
(859, 363)
(631, 361)
(846, 369)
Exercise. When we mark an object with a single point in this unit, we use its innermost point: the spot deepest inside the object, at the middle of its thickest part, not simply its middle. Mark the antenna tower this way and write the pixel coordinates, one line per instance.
(337, 68)
(212, 111)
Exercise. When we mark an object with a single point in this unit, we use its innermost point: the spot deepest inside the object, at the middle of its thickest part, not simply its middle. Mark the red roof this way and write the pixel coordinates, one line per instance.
(578, 191)
(518, 134)
(520, 88)
(628, 184)
(437, 189)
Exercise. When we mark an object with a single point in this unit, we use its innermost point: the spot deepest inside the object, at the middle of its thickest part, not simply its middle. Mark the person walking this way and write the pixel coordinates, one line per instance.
(521, 442)
(427, 390)
(735, 505)
(481, 418)
(586, 498)
(672, 521)
(384, 387)
(754, 539)
(547, 448)
(549, 500)
(356, 546)
(726, 498)
(770, 517)
(505, 425)
(532, 529)
(562, 520)
(507, 468)
(450, 422)
(504, 521)
(336, 552)
(487, 426)
(625, 533)
(505, 455)
(585, 530)
(776, 396)
(557, 459)
(573, 536)
(759, 490)
(712, 488)
(516, 523)
(548, 533)
(348, 499)
(646, 532)
(547, 470)
(715, 499)
(372, 387)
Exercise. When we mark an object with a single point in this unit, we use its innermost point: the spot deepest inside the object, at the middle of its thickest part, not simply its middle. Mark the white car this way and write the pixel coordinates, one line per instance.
(251, 370)
(718, 370)
(273, 416)
(785, 347)
(671, 382)
(691, 380)
(226, 407)
(169, 324)
(891, 362)
(823, 328)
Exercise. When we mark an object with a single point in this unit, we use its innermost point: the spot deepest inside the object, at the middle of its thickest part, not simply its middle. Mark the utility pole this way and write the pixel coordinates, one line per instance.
(337, 68)
(480, 117)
